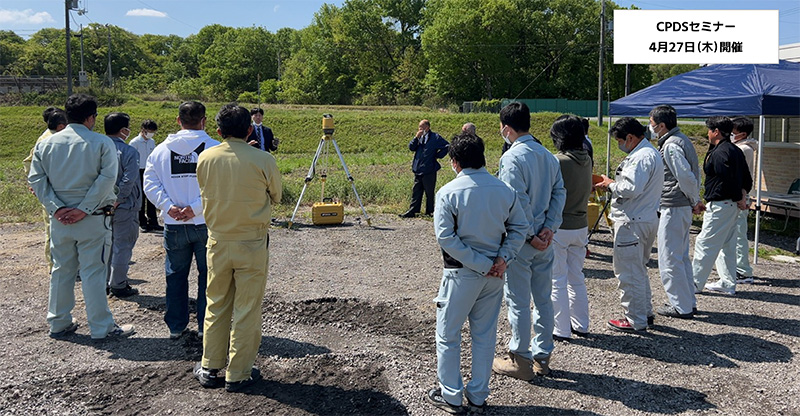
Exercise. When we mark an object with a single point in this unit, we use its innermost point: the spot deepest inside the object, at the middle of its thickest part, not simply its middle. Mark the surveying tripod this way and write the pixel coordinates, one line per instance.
(323, 147)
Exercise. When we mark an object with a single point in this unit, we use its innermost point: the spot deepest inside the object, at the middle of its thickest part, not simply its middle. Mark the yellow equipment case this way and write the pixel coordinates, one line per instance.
(327, 212)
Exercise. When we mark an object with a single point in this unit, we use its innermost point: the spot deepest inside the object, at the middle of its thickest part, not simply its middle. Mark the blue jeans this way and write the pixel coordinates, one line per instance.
(181, 242)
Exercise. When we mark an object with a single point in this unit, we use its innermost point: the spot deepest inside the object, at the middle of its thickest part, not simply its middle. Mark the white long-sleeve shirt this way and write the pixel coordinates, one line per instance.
(636, 190)
(145, 147)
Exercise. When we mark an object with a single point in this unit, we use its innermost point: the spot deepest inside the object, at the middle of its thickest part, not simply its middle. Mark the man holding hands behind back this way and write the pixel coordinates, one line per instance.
(427, 147)
(480, 226)
(238, 185)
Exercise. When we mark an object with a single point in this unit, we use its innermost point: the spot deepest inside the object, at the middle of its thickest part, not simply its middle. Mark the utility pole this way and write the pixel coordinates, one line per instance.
(601, 62)
(69, 49)
(110, 79)
(83, 80)
(627, 79)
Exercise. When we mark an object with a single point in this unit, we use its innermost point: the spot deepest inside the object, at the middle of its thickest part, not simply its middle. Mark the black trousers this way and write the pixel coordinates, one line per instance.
(426, 183)
(147, 214)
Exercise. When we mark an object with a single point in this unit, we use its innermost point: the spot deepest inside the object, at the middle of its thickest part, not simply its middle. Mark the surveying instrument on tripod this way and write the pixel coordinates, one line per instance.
(327, 212)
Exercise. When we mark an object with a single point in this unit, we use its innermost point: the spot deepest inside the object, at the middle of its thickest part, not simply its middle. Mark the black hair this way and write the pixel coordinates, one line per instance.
(80, 107)
(567, 133)
(114, 122)
(191, 113)
(721, 123)
(665, 114)
(47, 112)
(56, 118)
(585, 122)
(517, 116)
(257, 110)
(743, 124)
(149, 125)
(467, 149)
(625, 126)
(233, 121)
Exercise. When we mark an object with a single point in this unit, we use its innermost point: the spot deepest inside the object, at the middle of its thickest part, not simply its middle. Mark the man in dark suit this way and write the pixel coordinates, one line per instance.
(261, 137)
(427, 147)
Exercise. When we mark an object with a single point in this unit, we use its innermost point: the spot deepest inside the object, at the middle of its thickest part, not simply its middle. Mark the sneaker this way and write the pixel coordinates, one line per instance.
(514, 366)
(475, 409)
(435, 398)
(200, 334)
(73, 326)
(121, 331)
(623, 325)
(718, 288)
(208, 378)
(234, 386)
(156, 228)
(541, 366)
(125, 292)
(697, 289)
(177, 334)
(561, 339)
(740, 278)
(672, 312)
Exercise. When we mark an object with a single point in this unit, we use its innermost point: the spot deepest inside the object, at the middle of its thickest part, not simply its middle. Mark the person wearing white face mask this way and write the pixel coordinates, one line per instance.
(125, 221)
(680, 198)
(635, 195)
(535, 174)
(144, 144)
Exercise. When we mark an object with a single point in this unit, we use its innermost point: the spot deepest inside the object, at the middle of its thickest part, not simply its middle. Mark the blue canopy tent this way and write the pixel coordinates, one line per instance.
(715, 90)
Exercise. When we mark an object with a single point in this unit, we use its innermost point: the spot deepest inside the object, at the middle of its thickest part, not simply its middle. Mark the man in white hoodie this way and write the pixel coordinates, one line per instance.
(170, 183)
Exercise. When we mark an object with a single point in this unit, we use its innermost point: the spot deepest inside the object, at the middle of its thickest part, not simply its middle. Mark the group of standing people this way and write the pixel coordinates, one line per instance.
(522, 236)
(93, 198)
(519, 235)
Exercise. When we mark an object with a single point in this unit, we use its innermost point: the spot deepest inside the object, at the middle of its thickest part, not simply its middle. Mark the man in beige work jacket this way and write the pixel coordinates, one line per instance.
(238, 185)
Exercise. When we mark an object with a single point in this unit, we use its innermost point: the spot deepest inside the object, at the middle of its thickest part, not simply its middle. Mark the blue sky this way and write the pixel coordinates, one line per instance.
(185, 17)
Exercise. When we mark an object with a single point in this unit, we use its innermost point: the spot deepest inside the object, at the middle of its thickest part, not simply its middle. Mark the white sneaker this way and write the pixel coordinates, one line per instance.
(744, 279)
(718, 288)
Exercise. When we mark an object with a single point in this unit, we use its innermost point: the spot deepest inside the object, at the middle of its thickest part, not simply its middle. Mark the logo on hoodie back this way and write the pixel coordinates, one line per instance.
(185, 164)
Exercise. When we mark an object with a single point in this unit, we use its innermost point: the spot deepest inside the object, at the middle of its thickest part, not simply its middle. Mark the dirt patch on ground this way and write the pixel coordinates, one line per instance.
(349, 329)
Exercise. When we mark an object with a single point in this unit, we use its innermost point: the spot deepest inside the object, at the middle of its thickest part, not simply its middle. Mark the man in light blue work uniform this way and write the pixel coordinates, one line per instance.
(125, 222)
(480, 226)
(73, 174)
(535, 174)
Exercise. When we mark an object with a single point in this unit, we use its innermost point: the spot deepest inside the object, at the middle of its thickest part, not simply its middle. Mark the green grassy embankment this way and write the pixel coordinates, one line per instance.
(373, 141)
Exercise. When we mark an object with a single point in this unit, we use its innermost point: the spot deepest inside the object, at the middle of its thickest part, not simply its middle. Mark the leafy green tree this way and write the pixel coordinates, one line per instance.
(236, 59)
(11, 47)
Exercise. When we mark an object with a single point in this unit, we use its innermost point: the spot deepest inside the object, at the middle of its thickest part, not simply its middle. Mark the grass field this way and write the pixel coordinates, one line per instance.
(373, 140)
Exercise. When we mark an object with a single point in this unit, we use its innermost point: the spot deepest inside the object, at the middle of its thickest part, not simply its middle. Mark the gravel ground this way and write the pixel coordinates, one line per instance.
(349, 329)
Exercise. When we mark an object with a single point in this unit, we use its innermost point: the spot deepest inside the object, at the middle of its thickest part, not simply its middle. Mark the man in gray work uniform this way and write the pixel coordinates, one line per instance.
(125, 222)
(73, 174)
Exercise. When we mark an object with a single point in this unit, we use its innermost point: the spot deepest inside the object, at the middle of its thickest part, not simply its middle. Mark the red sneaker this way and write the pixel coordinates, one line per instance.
(623, 325)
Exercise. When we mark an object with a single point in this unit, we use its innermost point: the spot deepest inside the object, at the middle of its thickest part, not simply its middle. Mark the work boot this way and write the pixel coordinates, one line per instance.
(541, 366)
(514, 366)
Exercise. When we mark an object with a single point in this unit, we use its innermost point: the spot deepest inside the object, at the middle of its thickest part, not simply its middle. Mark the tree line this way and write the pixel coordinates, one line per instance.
(366, 52)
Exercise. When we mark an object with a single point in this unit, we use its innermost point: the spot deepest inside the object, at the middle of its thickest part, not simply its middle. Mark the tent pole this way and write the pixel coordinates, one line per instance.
(608, 148)
(761, 127)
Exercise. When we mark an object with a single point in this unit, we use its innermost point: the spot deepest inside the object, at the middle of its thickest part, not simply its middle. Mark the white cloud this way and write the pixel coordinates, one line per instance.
(27, 16)
(275, 9)
(145, 13)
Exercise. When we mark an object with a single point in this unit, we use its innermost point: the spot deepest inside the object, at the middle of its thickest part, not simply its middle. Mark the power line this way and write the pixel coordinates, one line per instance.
(179, 21)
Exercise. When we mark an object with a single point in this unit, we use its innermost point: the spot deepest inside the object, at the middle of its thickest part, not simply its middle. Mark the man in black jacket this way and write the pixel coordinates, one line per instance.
(727, 183)
(261, 137)
(427, 147)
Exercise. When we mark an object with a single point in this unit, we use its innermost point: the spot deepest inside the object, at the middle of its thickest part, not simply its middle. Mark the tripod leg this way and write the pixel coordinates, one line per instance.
(352, 181)
(308, 179)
